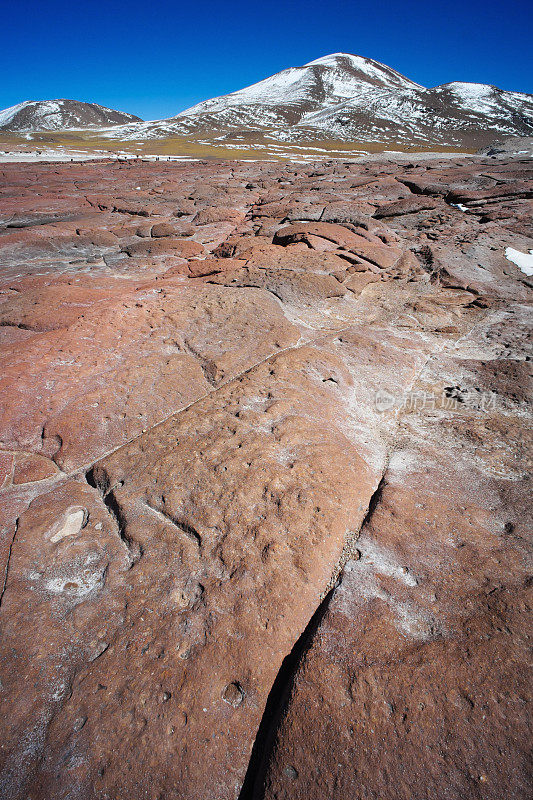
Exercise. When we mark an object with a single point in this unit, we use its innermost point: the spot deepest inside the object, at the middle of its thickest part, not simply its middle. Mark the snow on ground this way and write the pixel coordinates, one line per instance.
(415, 157)
(47, 155)
(471, 92)
(79, 155)
(523, 261)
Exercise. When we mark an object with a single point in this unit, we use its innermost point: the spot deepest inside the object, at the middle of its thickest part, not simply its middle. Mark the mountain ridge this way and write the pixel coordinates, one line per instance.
(353, 98)
(340, 97)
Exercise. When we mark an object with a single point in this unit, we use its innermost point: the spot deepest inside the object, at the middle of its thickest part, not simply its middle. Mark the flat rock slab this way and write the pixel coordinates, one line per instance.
(264, 461)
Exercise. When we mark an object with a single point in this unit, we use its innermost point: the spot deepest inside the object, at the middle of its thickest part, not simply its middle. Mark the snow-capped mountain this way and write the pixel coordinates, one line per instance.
(299, 91)
(352, 98)
(338, 97)
(58, 115)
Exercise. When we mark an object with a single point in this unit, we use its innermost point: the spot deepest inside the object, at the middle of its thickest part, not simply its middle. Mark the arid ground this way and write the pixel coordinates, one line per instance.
(265, 446)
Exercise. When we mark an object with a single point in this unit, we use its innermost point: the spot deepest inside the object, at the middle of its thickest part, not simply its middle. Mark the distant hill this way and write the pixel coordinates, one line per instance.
(58, 115)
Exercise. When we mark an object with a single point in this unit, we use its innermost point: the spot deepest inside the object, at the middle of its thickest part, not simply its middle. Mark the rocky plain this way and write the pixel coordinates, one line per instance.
(264, 451)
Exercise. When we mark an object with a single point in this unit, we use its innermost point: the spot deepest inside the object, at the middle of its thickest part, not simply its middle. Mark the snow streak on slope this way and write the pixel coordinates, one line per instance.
(8, 113)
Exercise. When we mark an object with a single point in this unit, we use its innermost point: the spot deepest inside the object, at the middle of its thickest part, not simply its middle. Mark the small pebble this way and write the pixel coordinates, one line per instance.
(291, 773)
(233, 694)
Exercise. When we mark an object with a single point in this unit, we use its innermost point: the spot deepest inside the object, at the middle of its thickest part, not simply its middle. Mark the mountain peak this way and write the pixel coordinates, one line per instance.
(363, 68)
(331, 58)
(313, 87)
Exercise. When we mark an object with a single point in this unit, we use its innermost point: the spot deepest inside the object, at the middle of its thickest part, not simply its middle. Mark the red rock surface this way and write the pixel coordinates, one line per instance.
(264, 462)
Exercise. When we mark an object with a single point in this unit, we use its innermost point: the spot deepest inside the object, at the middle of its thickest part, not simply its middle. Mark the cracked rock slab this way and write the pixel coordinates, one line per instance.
(264, 463)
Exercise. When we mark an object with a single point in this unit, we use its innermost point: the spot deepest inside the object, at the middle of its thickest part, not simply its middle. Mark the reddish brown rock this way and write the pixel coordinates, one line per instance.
(207, 216)
(212, 266)
(162, 229)
(30, 467)
(159, 246)
(186, 208)
(410, 205)
(135, 359)
(264, 491)
(334, 233)
(425, 639)
(376, 252)
(346, 212)
(6, 468)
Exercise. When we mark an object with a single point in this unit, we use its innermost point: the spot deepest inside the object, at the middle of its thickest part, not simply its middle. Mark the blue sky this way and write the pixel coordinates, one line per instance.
(155, 59)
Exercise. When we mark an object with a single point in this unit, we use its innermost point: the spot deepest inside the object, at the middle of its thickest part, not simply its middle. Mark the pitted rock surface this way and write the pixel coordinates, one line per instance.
(264, 480)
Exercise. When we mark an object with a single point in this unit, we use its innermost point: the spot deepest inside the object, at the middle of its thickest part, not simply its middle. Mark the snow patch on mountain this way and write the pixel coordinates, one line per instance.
(285, 87)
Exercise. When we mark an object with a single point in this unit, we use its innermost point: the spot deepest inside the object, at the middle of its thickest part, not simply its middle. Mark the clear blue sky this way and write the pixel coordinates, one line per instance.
(157, 58)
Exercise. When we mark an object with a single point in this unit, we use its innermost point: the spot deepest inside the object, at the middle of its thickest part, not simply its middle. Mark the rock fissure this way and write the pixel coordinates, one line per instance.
(349, 550)
(252, 787)
(109, 498)
(8, 561)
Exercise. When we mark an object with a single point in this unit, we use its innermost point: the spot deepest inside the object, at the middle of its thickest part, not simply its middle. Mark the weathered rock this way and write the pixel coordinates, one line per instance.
(186, 208)
(207, 216)
(410, 205)
(212, 266)
(31, 467)
(263, 486)
(163, 229)
(160, 246)
(425, 638)
(366, 246)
